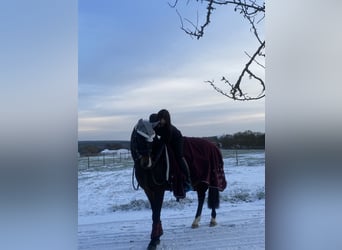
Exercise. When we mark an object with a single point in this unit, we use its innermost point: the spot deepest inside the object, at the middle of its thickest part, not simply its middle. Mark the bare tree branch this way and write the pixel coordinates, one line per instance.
(254, 12)
(198, 31)
(247, 70)
(173, 5)
(262, 66)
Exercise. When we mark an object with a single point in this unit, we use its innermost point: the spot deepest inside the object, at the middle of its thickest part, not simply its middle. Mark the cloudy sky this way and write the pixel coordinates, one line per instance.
(135, 60)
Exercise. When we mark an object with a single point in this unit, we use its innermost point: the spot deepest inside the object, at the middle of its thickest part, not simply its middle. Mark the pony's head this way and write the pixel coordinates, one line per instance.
(141, 143)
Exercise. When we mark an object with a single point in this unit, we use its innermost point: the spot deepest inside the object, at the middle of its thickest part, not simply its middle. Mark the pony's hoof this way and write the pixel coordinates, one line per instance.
(151, 247)
(212, 223)
(194, 225)
(153, 244)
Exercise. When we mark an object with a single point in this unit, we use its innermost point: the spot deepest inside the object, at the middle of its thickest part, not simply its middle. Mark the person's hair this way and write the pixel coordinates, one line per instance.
(153, 117)
(163, 113)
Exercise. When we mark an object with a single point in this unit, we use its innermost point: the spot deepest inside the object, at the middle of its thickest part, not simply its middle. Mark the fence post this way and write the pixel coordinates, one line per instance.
(236, 157)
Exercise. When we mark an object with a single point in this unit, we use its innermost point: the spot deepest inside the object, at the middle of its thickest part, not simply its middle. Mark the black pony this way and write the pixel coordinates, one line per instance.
(156, 170)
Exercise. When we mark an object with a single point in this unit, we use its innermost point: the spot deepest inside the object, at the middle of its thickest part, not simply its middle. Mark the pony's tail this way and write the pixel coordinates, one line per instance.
(213, 198)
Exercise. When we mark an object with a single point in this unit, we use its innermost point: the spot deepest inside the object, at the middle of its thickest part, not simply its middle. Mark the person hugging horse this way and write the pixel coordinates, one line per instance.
(170, 135)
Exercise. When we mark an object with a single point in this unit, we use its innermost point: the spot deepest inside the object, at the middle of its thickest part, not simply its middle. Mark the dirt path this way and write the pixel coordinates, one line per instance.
(237, 229)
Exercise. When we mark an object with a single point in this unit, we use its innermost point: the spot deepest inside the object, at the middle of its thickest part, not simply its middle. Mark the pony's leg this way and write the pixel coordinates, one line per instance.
(213, 218)
(201, 197)
(157, 205)
(157, 229)
(213, 203)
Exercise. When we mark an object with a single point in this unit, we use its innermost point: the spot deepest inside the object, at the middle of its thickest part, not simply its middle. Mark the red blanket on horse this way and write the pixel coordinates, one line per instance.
(205, 163)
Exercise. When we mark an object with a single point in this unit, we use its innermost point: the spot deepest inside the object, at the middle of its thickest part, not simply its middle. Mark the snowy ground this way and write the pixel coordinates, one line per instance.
(114, 216)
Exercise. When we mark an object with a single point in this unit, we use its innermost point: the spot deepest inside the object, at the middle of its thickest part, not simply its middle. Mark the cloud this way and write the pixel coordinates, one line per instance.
(193, 104)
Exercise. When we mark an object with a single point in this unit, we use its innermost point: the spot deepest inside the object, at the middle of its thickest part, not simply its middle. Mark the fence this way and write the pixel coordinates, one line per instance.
(125, 158)
(86, 162)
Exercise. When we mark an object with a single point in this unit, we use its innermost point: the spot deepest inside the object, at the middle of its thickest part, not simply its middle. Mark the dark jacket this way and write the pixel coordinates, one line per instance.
(173, 137)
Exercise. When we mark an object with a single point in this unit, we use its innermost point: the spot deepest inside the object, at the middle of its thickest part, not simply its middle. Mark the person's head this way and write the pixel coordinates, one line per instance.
(164, 118)
(154, 120)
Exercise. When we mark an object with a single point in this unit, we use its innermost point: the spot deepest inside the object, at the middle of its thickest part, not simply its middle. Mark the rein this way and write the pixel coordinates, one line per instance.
(158, 157)
(167, 165)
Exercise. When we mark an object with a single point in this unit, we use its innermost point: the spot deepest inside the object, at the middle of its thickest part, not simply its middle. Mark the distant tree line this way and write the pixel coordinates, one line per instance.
(240, 140)
(87, 148)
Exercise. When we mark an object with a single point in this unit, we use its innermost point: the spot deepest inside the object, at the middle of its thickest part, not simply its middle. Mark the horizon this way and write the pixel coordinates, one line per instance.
(217, 136)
